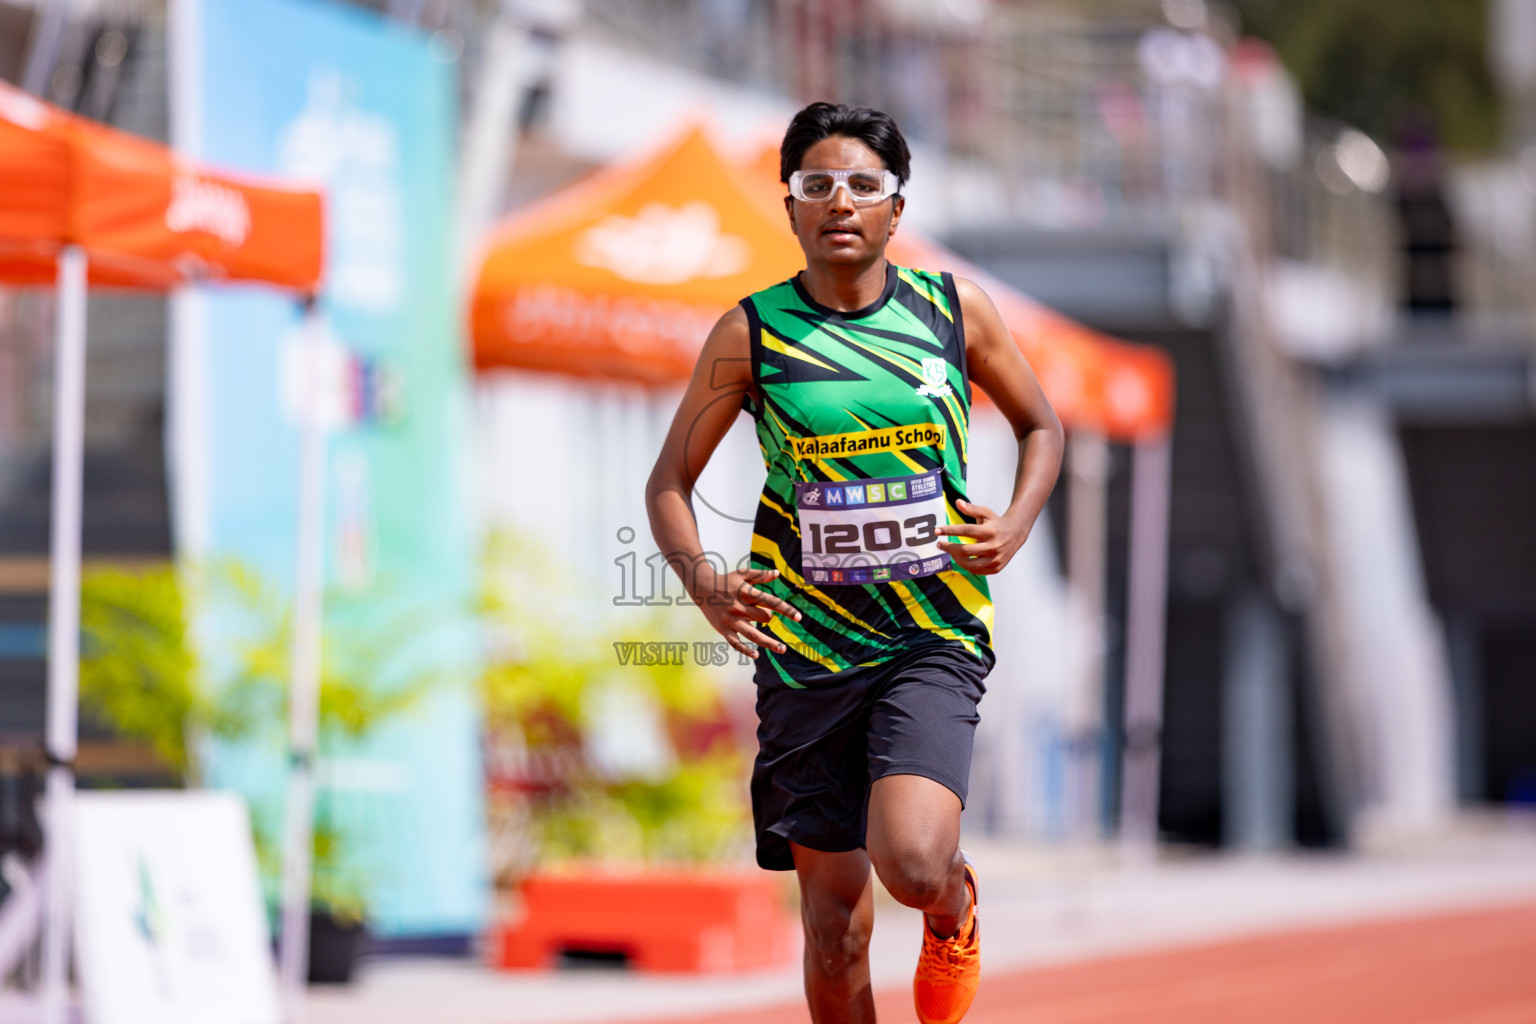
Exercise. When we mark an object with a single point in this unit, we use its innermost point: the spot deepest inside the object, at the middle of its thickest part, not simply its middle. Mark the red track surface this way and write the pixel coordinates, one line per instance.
(1465, 968)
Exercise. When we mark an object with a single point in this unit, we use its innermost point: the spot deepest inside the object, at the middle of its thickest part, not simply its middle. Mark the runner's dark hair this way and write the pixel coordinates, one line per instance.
(875, 128)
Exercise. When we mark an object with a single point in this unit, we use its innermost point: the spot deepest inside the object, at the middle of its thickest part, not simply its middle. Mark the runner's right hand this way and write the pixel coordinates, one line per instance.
(735, 607)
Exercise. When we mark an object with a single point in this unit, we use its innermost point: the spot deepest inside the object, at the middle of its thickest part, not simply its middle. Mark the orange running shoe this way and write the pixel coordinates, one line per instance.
(949, 970)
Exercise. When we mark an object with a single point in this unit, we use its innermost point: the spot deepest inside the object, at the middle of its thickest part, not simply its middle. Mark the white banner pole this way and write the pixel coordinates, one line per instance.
(187, 399)
(1146, 623)
(1087, 558)
(64, 621)
(304, 695)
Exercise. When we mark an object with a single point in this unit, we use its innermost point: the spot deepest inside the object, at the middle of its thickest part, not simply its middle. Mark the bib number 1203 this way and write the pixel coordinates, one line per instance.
(873, 530)
(876, 535)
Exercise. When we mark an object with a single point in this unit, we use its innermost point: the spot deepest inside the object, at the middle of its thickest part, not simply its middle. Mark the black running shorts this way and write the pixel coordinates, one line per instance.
(820, 748)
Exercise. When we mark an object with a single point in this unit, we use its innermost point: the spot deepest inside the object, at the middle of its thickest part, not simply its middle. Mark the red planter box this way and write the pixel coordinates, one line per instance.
(661, 920)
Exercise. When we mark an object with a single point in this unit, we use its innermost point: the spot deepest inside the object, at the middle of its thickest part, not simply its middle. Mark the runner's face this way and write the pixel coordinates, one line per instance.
(838, 230)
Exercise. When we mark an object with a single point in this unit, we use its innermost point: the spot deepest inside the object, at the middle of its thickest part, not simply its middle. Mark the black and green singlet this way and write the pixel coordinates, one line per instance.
(880, 393)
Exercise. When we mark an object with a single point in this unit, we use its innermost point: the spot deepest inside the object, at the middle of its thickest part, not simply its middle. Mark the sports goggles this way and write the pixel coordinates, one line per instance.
(864, 185)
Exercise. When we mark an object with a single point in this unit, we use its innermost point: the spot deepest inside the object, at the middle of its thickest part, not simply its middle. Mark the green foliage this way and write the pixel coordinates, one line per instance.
(140, 673)
(1376, 63)
(695, 815)
(546, 657)
(336, 884)
(137, 669)
(356, 692)
(547, 671)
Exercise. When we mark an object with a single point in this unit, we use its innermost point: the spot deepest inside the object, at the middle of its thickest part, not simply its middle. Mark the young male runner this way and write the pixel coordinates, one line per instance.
(871, 629)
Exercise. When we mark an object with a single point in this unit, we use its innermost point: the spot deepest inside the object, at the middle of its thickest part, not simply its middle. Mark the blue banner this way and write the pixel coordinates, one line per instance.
(339, 96)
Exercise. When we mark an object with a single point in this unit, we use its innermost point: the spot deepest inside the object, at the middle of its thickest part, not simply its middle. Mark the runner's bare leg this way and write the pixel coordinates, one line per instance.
(914, 844)
(837, 908)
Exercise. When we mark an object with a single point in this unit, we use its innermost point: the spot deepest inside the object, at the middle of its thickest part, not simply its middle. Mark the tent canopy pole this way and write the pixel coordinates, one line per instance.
(304, 694)
(1146, 620)
(1087, 484)
(64, 619)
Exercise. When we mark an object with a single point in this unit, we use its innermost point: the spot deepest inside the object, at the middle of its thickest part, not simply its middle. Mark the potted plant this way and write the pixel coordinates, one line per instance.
(141, 674)
(617, 792)
(338, 915)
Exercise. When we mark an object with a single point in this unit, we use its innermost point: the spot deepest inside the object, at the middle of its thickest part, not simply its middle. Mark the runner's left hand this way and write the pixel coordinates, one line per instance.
(995, 539)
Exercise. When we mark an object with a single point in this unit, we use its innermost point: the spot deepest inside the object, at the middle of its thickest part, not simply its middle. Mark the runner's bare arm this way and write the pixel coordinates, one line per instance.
(723, 374)
(996, 365)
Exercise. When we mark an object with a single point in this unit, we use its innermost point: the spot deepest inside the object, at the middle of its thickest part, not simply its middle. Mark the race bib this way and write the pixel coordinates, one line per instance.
(872, 531)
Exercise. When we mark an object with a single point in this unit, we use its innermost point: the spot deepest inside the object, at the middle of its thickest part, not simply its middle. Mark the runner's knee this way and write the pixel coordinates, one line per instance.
(917, 877)
(836, 936)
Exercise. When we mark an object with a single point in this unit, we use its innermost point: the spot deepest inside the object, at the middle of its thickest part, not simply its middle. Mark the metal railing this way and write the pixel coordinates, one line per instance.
(1493, 249)
(1085, 114)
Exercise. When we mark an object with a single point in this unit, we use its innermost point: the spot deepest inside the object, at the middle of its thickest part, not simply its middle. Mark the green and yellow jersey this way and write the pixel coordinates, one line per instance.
(864, 427)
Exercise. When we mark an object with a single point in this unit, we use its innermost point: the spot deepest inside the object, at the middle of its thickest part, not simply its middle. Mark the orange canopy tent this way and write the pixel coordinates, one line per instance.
(81, 203)
(144, 217)
(622, 275)
(1094, 382)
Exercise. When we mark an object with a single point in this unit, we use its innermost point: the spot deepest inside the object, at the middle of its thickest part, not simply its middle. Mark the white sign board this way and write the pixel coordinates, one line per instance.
(169, 926)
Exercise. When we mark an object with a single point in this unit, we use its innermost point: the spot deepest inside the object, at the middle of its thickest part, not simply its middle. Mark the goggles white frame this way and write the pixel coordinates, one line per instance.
(889, 185)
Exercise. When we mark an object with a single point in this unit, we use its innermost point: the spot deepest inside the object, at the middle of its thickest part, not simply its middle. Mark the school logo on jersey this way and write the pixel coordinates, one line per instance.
(935, 379)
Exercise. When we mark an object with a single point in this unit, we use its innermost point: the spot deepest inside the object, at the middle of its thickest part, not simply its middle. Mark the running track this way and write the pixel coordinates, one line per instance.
(1464, 968)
